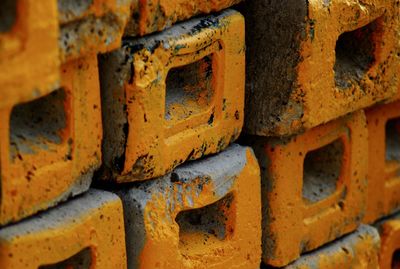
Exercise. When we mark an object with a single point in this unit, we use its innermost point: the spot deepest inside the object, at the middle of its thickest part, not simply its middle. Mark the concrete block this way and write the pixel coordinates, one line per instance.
(51, 145)
(85, 232)
(156, 15)
(358, 250)
(309, 62)
(29, 57)
(172, 97)
(389, 230)
(314, 187)
(91, 26)
(205, 214)
(384, 161)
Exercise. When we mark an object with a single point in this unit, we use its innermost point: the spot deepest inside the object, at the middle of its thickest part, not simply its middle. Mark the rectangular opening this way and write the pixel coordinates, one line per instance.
(355, 53)
(8, 15)
(37, 125)
(202, 226)
(189, 89)
(321, 171)
(81, 260)
(393, 140)
(73, 9)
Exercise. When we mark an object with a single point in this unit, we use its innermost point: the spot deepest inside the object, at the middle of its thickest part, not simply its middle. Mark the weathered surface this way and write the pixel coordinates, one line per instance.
(359, 249)
(150, 16)
(205, 214)
(170, 97)
(309, 62)
(91, 26)
(85, 230)
(301, 214)
(29, 54)
(50, 146)
(384, 161)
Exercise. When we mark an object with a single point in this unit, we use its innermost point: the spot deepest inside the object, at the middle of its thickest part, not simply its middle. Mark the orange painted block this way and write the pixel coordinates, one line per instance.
(309, 62)
(51, 145)
(358, 250)
(205, 214)
(91, 26)
(384, 161)
(156, 15)
(86, 232)
(29, 57)
(314, 187)
(172, 97)
(389, 230)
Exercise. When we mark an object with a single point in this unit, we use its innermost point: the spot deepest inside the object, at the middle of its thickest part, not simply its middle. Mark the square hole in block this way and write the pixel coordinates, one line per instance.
(38, 125)
(72, 9)
(81, 260)
(189, 89)
(355, 53)
(393, 140)
(396, 259)
(8, 15)
(321, 171)
(203, 226)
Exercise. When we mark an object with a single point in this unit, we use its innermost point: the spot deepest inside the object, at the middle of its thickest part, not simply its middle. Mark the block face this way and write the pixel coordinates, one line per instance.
(91, 26)
(331, 51)
(87, 230)
(359, 249)
(204, 214)
(301, 213)
(156, 15)
(389, 230)
(384, 161)
(170, 97)
(29, 67)
(50, 146)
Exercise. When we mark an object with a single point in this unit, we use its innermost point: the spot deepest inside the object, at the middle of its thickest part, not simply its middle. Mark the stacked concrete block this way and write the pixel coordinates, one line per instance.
(358, 250)
(309, 62)
(85, 232)
(384, 161)
(150, 16)
(205, 214)
(314, 187)
(172, 97)
(389, 229)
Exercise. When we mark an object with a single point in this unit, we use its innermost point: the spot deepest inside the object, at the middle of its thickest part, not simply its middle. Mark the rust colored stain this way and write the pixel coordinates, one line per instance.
(86, 230)
(321, 196)
(389, 230)
(50, 146)
(384, 161)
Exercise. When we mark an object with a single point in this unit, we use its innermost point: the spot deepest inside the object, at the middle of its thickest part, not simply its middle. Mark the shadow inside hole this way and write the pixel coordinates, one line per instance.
(205, 224)
(37, 124)
(396, 260)
(189, 89)
(393, 140)
(81, 260)
(355, 53)
(8, 15)
(321, 171)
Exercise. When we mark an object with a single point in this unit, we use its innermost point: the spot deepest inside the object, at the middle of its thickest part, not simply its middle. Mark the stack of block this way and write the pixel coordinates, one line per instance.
(120, 120)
